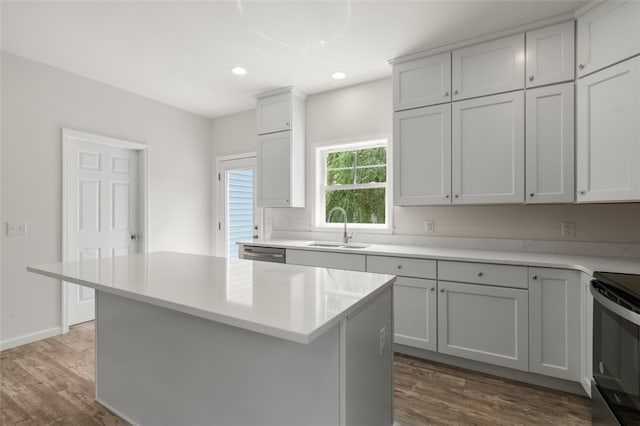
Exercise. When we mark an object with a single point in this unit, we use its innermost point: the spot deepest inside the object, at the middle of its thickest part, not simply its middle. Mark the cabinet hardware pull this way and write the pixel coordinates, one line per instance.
(531, 195)
(432, 289)
(456, 195)
(480, 274)
(535, 277)
(446, 196)
(581, 66)
(446, 94)
(286, 124)
(455, 92)
(531, 78)
(581, 192)
(399, 266)
(442, 290)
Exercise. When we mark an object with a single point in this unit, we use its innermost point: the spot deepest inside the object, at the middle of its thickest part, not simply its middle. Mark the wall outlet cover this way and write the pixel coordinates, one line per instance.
(16, 229)
(429, 227)
(568, 229)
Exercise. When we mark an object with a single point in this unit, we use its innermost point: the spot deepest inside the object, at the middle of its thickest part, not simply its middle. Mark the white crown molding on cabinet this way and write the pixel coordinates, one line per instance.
(487, 37)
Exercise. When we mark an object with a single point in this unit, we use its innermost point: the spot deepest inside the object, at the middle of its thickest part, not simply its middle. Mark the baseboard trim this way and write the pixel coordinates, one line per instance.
(507, 373)
(114, 411)
(29, 338)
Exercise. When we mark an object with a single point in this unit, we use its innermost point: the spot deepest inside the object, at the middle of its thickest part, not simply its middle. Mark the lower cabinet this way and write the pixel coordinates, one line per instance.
(554, 323)
(414, 308)
(484, 323)
(325, 259)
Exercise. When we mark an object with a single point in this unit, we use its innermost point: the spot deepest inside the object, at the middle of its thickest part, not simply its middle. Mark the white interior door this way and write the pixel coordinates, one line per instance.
(238, 217)
(100, 211)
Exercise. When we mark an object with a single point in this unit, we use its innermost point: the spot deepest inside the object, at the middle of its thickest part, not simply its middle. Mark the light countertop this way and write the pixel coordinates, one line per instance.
(295, 303)
(588, 264)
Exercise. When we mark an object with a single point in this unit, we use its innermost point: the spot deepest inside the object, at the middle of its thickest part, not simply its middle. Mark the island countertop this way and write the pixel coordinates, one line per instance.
(295, 303)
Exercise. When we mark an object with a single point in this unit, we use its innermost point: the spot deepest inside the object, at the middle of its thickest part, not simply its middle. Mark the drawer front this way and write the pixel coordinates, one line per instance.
(484, 273)
(402, 266)
(351, 262)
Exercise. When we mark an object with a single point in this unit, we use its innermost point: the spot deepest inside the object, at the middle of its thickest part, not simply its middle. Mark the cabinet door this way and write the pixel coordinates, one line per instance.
(488, 150)
(274, 113)
(274, 170)
(348, 261)
(422, 156)
(554, 323)
(586, 333)
(607, 34)
(608, 134)
(414, 307)
(488, 68)
(550, 144)
(550, 53)
(484, 323)
(422, 82)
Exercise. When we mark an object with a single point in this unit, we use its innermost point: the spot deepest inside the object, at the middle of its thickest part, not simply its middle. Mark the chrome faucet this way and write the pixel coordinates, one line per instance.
(346, 237)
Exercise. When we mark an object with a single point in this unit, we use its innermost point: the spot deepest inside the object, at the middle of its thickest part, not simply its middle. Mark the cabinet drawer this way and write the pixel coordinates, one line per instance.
(484, 273)
(351, 262)
(406, 267)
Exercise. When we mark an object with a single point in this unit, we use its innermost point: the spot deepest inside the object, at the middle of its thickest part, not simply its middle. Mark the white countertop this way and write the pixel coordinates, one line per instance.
(588, 264)
(295, 303)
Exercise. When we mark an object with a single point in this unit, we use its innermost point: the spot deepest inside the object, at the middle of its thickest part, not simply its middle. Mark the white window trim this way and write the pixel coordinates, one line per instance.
(320, 152)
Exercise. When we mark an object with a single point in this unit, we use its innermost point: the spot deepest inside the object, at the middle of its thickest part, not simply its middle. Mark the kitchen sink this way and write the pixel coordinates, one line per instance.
(331, 244)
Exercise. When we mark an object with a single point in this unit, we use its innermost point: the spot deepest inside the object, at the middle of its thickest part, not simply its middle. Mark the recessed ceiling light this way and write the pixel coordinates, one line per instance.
(338, 75)
(239, 71)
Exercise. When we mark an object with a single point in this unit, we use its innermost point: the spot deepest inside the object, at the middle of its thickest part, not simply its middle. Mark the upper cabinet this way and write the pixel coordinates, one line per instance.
(281, 148)
(488, 68)
(550, 53)
(550, 144)
(607, 34)
(488, 149)
(422, 156)
(608, 134)
(422, 82)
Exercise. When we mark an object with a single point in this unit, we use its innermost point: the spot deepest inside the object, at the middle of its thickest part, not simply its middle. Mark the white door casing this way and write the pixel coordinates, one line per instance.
(103, 207)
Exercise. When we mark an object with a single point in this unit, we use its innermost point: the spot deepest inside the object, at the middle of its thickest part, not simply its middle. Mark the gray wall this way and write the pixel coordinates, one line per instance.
(365, 110)
(37, 101)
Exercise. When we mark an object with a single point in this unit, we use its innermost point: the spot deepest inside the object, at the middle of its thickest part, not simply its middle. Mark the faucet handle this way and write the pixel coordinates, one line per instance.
(348, 237)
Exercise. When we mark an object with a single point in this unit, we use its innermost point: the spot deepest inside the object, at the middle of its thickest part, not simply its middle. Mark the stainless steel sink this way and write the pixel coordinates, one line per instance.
(331, 244)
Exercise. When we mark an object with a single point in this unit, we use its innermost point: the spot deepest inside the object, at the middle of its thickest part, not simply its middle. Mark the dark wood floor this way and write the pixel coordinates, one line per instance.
(51, 382)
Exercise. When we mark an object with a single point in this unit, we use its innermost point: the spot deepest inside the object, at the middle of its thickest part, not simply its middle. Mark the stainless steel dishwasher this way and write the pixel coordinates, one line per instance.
(264, 254)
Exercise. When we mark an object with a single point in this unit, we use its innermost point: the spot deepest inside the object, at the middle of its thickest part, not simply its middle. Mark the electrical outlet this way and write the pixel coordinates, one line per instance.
(568, 229)
(429, 227)
(383, 340)
(16, 229)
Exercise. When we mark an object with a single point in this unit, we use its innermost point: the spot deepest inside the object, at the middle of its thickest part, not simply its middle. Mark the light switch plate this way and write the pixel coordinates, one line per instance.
(16, 229)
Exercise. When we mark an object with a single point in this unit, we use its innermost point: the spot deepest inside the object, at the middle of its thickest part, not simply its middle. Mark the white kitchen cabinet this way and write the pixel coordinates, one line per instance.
(279, 110)
(326, 259)
(586, 333)
(608, 134)
(487, 68)
(550, 54)
(280, 167)
(608, 33)
(488, 149)
(550, 144)
(415, 313)
(422, 82)
(281, 148)
(414, 293)
(554, 323)
(484, 323)
(422, 156)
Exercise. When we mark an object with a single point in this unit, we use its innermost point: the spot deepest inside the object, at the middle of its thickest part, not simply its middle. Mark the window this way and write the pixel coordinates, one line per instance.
(354, 177)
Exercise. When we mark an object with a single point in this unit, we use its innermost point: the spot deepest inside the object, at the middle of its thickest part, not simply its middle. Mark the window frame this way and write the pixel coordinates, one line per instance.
(321, 187)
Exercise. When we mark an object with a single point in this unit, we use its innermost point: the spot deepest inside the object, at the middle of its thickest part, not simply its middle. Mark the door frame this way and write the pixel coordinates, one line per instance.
(69, 135)
(220, 199)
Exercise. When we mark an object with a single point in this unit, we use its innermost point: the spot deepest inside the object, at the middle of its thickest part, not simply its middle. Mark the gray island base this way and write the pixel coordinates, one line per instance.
(312, 346)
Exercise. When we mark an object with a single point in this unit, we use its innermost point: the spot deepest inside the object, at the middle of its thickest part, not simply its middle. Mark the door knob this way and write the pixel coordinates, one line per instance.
(581, 66)
(535, 277)
(531, 78)
(136, 237)
(455, 92)
(442, 290)
(446, 94)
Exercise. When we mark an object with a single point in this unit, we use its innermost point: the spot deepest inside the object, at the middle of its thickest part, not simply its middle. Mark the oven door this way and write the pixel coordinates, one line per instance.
(616, 358)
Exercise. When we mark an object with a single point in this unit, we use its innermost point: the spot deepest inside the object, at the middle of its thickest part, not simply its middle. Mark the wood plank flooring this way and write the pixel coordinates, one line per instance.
(51, 382)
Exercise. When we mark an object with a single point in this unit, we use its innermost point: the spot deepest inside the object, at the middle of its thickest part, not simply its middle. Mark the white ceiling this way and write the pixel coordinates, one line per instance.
(180, 53)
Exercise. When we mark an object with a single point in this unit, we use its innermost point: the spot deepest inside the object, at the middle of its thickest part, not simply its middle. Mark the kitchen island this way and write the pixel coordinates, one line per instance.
(194, 340)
